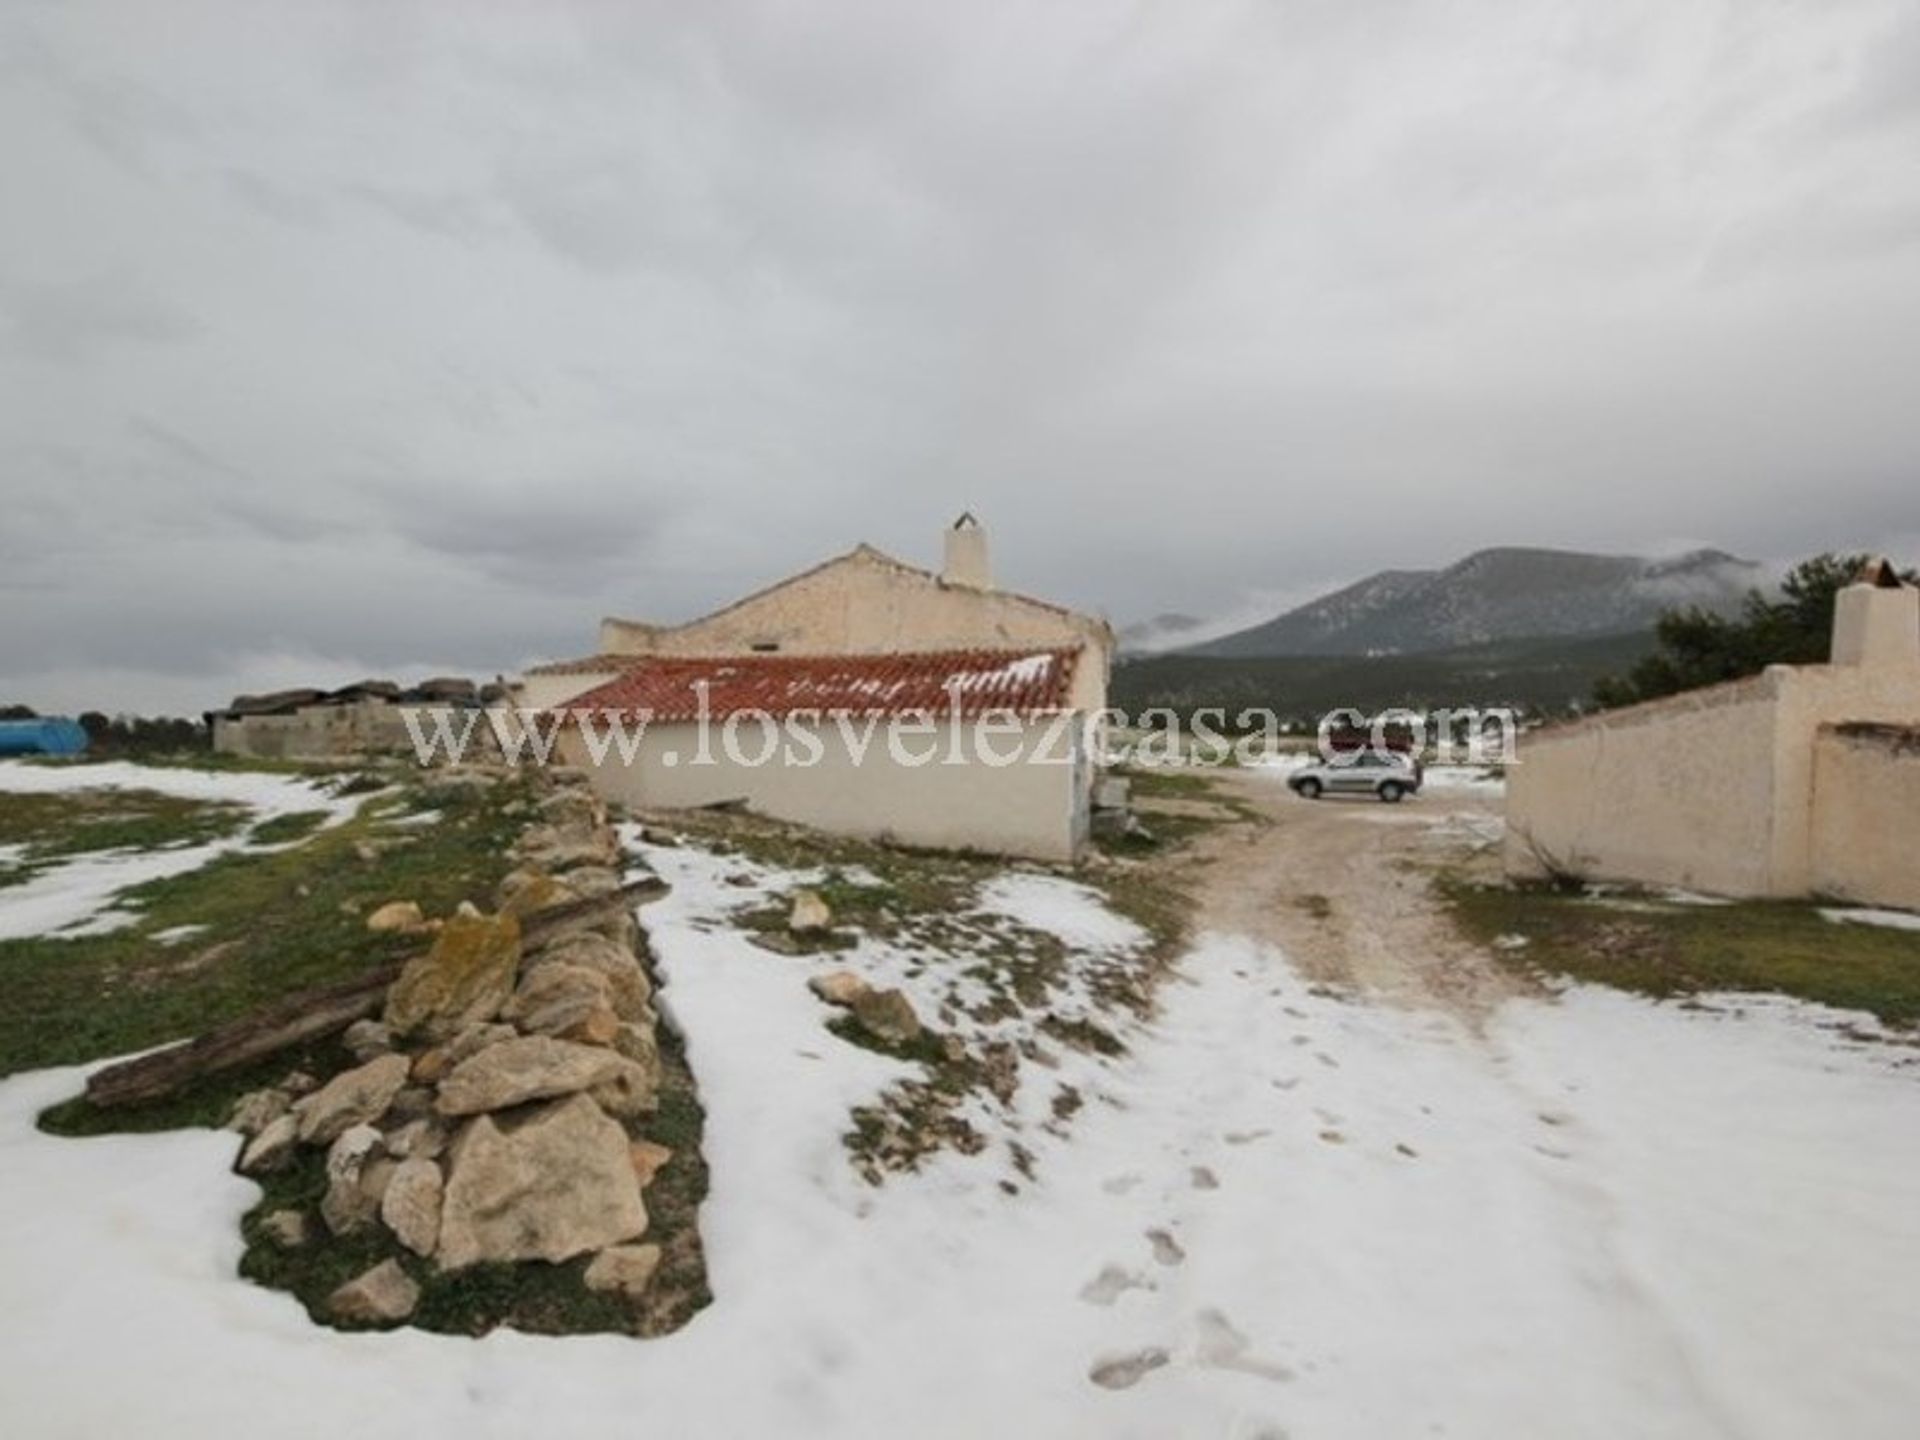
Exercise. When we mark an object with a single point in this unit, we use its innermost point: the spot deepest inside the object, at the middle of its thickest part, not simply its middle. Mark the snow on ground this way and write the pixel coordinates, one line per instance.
(1893, 919)
(1286, 1213)
(74, 897)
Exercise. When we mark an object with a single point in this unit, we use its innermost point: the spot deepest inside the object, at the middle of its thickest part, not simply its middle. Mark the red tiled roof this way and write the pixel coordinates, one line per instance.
(665, 688)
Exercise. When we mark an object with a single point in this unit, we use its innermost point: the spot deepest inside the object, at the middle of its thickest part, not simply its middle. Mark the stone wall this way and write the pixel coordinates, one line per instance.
(499, 1107)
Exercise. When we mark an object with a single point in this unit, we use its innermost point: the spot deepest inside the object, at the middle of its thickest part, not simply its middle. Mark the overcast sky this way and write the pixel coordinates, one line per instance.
(384, 337)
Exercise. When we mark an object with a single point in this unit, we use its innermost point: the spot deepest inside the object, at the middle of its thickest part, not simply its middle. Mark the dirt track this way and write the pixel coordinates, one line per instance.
(1344, 888)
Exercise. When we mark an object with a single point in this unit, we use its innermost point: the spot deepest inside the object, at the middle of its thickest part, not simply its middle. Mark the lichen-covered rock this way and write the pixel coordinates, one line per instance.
(628, 988)
(272, 1147)
(623, 1270)
(463, 980)
(542, 892)
(887, 1015)
(257, 1109)
(549, 1185)
(383, 1295)
(530, 1067)
(411, 1205)
(402, 917)
(354, 1097)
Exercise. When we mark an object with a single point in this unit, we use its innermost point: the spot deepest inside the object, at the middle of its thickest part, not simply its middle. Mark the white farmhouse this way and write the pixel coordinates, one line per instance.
(865, 696)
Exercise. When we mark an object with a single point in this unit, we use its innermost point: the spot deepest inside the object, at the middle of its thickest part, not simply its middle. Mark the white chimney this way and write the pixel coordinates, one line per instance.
(1876, 620)
(966, 559)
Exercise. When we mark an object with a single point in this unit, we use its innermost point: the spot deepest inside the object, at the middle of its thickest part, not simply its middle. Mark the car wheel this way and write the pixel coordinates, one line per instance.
(1309, 789)
(1392, 791)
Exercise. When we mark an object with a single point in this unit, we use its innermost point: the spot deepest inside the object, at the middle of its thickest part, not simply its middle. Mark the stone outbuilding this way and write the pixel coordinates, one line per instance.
(1801, 780)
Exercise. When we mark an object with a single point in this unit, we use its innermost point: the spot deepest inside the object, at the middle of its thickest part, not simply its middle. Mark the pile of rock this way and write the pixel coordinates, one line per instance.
(495, 1111)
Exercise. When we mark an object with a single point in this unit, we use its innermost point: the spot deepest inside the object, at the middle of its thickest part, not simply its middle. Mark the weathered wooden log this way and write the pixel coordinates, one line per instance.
(312, 1014)
(295, 1020)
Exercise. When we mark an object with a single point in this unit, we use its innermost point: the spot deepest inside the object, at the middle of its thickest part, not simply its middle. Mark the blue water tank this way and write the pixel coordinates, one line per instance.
(49, 736)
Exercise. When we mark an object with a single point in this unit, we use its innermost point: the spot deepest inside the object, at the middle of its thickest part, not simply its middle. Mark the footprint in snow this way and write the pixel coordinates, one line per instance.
(1119, 1184)
(1245, 1137)
(1203, 1178)
(1222, 1347)
(1326, 1059)
(1111, 1283)
(1285, 1082)
(1166, 1249)
(1123, 1372)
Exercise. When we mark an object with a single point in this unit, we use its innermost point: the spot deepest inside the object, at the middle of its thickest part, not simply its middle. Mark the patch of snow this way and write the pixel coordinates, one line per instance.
(1677, 896)
(1077, 913)
(1892, 919)
(1477, 779)
(1296, 1214)
(74, 897)
(174, 934)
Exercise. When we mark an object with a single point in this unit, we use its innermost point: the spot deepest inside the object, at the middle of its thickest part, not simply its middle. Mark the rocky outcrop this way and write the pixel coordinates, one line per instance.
(548, 1185)
(529, 1067)
(402, 917)
(628, 989)
(809, 915)
(380, 1296)
(839, 987)
(411, 1206)
(463, 980)
(887, 1015)
(354, 1098)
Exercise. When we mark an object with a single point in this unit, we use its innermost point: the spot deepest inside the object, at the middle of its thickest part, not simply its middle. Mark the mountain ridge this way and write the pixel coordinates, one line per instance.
(1498, 593)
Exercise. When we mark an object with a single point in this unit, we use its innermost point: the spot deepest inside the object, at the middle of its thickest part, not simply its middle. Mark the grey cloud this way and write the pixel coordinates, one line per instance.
(79, 319)
(578, 308)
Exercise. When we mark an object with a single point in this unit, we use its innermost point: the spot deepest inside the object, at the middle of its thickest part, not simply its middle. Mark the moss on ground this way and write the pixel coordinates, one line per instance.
(1665, 949)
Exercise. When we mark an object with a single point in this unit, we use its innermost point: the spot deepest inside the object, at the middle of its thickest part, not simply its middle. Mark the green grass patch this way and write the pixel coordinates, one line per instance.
(1663, 949)
(274, 923)
(82, 822)
(296, 825)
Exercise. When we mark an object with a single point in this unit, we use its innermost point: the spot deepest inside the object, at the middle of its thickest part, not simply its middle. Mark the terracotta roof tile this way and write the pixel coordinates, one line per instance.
(666, 688)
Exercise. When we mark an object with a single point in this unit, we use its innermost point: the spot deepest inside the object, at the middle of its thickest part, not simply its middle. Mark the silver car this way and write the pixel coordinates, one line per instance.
(1388, 776)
